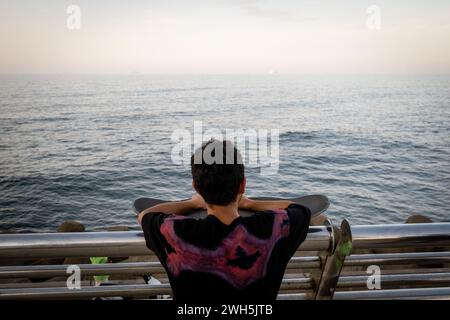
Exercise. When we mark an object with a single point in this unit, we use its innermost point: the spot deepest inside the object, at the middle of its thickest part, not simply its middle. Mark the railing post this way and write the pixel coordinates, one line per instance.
(335, 260)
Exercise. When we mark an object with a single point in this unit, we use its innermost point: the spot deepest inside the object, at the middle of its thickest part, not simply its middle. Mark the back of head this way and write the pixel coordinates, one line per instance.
(217, 171)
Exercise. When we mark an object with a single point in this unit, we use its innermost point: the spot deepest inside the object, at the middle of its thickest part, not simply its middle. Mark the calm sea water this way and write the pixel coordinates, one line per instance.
(84, 147)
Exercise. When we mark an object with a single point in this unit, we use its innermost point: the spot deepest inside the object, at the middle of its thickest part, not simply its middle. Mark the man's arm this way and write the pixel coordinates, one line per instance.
(175, 207)
(262, 205)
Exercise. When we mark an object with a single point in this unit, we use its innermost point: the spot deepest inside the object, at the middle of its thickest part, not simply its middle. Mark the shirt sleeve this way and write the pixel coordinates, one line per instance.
(151, 224)
(299, 219)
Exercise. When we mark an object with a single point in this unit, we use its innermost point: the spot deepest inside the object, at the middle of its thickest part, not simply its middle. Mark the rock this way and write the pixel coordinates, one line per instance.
(7, 232)
(417, 218)
(118, 228)
(319, 220)
(71, 226)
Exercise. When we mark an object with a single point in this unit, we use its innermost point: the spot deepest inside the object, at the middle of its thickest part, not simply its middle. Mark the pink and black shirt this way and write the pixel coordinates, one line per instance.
(207, 260)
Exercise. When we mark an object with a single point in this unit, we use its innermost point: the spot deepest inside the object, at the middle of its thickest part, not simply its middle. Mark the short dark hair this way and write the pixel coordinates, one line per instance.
(217, 182)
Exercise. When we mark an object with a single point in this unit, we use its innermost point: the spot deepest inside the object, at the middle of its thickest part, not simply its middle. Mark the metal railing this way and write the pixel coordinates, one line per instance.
(132, 243)
(418, 235)
(332, 246)
(111, 244)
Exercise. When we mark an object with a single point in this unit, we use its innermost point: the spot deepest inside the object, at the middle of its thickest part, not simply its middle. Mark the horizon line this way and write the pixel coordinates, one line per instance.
(222, 74)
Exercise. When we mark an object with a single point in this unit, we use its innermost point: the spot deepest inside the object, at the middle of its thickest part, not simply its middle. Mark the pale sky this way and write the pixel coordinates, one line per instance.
(225, 36)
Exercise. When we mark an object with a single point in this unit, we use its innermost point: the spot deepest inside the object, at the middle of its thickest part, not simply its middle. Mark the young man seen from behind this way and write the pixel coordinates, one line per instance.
(224, 256)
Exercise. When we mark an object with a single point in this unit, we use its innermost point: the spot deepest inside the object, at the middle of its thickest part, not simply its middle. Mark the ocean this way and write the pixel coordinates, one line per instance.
(82, 148)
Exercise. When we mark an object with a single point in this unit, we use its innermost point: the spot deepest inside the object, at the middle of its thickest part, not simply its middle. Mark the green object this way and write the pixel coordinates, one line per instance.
(99, 260)
(343, 250)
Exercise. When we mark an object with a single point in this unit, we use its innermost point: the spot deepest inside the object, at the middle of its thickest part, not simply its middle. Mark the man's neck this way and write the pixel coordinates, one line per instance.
(226, 214)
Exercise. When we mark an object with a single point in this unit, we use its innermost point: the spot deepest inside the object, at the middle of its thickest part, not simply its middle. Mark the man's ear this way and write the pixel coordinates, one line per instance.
(242, 186)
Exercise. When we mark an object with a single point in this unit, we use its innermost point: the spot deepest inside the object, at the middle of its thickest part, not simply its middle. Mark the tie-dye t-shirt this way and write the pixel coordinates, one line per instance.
(208, 260)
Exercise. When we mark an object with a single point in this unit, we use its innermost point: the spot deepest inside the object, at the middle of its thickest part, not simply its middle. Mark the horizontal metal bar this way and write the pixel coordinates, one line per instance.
(77, 244)
(294, 296)
(423, 293)
(118, 291)
(85, 292)
(43, 284)
(111, 244)
(48, 271)
(310, 262)
(430, 279)
(398, 258)
(432, 297)
(291, 284)
(164, 289)
(120, 244)
(296, 284)
(131, 268)
(414, 235)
